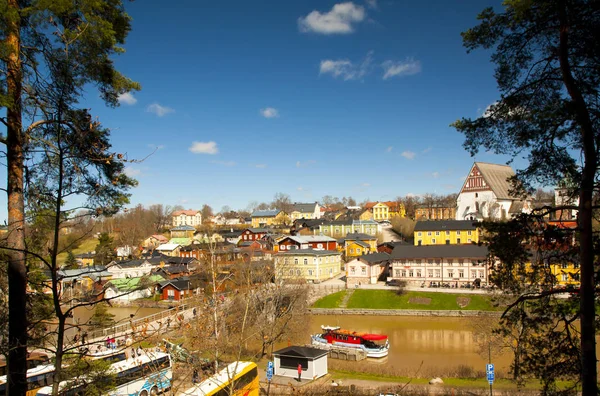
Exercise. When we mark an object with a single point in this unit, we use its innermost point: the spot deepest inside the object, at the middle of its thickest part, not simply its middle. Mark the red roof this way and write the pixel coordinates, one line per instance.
(188, 212)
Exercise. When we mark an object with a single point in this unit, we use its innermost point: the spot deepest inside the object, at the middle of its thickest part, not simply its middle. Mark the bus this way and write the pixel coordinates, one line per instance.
(237, 379)
(40, 371)
(148, 374)
(34, 359)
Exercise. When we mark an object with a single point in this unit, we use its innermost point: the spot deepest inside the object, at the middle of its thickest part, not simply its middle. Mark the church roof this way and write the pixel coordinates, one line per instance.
(496, 176)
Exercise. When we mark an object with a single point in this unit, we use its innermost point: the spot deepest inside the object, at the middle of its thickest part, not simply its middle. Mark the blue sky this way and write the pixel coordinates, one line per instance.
(310, 98)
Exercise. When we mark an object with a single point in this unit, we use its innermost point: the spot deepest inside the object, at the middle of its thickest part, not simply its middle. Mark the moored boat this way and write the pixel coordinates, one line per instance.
(375, 345)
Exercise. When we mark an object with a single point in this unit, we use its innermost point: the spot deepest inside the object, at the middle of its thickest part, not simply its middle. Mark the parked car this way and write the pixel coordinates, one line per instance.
(394, 282)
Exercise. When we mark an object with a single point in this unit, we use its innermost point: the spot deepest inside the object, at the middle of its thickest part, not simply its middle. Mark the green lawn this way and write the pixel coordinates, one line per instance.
(388, 299)
(87, 245)
(330, 301)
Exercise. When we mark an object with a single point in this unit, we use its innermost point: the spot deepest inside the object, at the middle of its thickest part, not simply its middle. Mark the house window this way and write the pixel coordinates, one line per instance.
(430, 273)
(357, 250)
(447, 232)
(481, 274)
(296, 261)
(437, 273)
(352, 270)
(305, 261)
(363, 271)
(171, 294)
(410, 273)
(461, 273)
(437, 233)
(404, 273)
(315, 260)
(397, 273)
(298, 272)
(432, 240)
(468, 232)
(429, 233)
(473, 274)
(457, 233)
(565, 277)
(351, 251)
(419, 233)
(309, 272)
(291, 272)
(418, 273)
(451, 273)
(319, 246)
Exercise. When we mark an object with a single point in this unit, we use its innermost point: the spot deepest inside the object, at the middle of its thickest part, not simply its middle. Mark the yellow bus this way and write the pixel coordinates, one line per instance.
(237, 379)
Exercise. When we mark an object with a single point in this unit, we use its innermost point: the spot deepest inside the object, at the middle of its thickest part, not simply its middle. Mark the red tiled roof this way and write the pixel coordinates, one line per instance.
(188, 212)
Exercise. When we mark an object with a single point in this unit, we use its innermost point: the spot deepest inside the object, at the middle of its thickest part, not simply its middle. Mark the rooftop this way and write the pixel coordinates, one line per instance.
(445, 225)
(439, 251)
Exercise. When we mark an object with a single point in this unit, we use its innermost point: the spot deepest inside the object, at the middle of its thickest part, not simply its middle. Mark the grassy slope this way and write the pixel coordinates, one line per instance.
(331, 300)
(87, 245)
(388, 299)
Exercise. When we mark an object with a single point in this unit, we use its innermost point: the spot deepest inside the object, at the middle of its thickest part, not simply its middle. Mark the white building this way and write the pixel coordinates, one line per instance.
(187, 217)
(313, 362)
(453, 264)
(305, 211)
(486, 194)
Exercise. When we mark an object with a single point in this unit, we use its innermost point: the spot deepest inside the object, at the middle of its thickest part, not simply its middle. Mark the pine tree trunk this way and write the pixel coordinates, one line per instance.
(17, 270)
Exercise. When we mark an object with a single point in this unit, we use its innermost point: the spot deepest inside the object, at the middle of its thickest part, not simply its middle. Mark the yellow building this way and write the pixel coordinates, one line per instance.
(366, 215)
(385, 211)
(566, 274)
(358, 244)
(307, 265)
(435, 212)
(445, 232)
(261, 218)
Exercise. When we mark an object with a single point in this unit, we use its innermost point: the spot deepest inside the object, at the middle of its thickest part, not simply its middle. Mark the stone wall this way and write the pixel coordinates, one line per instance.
(401, 312)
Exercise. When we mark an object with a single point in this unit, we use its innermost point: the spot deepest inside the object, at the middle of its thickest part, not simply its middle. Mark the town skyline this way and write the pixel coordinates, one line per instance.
(309, 99)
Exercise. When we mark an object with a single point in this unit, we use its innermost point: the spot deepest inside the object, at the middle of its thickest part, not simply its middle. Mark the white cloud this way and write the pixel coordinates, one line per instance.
(204, 148)
(305, 163)
(407, 67)
(428, 149)
(224, 163)
(159, 110)
(260, 166)
(435, 175)
(300, 189)
(389, 149)
(339, 20)
(346, 69)
(269, 112)
(371, 4)
(408, 155)
(131, 172)
(127, 98)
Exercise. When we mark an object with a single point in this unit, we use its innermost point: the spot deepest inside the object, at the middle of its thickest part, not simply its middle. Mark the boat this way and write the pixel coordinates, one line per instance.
(375, 345)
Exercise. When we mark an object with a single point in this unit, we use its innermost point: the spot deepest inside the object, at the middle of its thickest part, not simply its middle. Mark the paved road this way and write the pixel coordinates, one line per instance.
(388, 234)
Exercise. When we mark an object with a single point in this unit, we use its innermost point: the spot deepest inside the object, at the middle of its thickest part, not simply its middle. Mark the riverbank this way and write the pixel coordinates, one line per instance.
(417, 301)
(402, 312)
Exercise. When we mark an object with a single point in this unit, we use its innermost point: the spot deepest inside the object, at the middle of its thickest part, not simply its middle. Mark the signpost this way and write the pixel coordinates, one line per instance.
(269, 375)
(489, 371)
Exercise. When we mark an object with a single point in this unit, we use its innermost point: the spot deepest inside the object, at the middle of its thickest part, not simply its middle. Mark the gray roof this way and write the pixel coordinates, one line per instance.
(309, 252)
(301, 352)
(183, 228)
(258, 230)
(305, 207)
(496, 176)
(445, 225)
(358, 236)
(375, 257)
(266, 213)
(438, 251)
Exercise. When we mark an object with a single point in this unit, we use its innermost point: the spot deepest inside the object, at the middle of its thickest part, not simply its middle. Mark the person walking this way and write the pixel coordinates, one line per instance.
(299, 372)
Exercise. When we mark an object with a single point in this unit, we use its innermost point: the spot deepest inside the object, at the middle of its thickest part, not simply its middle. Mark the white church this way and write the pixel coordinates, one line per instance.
(485, 194)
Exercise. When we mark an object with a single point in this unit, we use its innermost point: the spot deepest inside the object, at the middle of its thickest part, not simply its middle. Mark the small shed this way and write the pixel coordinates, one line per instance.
(312, 360)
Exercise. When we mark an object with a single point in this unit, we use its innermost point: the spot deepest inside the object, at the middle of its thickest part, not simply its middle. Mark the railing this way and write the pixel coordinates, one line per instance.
(188, 303)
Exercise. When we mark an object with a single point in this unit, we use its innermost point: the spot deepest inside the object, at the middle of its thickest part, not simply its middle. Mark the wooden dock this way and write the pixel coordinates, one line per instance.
(342, 353)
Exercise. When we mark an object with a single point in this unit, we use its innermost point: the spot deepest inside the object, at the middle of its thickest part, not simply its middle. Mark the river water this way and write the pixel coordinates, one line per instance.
(432, 343)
